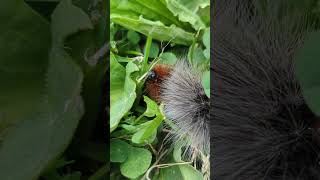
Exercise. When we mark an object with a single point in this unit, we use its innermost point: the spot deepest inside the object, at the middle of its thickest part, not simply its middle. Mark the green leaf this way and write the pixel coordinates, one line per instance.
(46, 127)
(122, 98)
(206, 43)
(150, 9)
(154, 50)
(172, 172)
(193, 6)
(64, 21)
(307, 71)
(81, 47)
(138, 162)
(152, 107)
(168, 58)
(119, 150)
(177, 152)
(23, 58)
(190, 173)
(206, 82)
(117, 78)
(206, 38)
(138, 137)
(113, 31)
(133, 37)
(187, 11)
(196, 56)
(156, 29)
(129, 128)
(204, 14)
(149, 131)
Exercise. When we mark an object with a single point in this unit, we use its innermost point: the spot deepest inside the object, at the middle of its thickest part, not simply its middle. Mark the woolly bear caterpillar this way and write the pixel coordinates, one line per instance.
(179, 88)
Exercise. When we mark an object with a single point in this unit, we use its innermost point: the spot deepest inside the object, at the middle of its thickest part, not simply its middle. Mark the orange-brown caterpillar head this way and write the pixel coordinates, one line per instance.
(154, 80)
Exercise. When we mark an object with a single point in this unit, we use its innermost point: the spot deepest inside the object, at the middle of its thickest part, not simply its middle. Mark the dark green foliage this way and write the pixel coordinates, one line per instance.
(48, 90)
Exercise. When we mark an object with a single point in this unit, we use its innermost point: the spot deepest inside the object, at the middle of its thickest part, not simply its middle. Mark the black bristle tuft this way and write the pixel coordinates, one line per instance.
(261, 127)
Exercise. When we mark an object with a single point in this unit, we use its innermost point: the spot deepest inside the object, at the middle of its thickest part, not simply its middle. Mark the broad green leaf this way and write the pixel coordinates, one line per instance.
(187, 171)
(119, 150)
(177, 152)
(125, 96)
(149, 131)
(138, 138)
(133, 37)
(46, 129)
(64, 22)
(172, 172)
(204, 14)
(113, 31)
(206, 53)
(138, 162)
(307, 69)
(190, 173)
(81, 47)
(206, 43)
(154, 50)
(23, 58)
(150, 9)
(152, 107)
(187, 11)
(168, 58)
(64, 76)
(129, 128)
(117, 78)
(194, 5)
(206, 82)
(156, 29)
(197, 58)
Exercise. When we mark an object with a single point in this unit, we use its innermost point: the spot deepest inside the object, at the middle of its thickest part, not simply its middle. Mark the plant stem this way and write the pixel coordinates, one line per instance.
(146, 54)
(144, 68)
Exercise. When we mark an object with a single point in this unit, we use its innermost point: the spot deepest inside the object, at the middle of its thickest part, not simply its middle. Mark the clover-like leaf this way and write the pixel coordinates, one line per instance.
(137, 163)
(119, 150)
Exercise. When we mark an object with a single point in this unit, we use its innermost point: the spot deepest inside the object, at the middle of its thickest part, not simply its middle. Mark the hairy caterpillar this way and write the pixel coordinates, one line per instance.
(179, 88)
(261, 127)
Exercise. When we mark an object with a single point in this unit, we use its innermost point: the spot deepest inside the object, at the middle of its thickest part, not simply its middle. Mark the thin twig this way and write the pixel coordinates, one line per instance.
(153, 150)
(172, 164)
(93, 60)
(154, 164)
